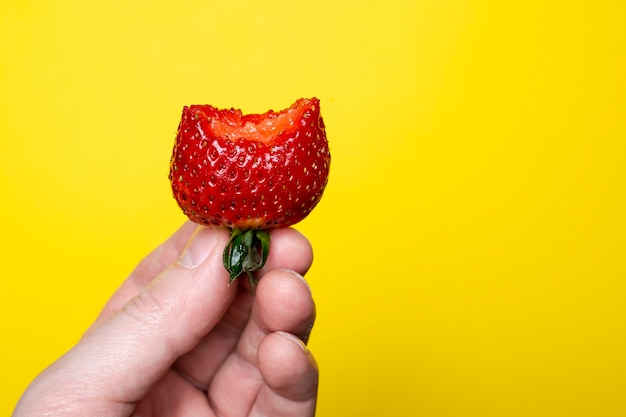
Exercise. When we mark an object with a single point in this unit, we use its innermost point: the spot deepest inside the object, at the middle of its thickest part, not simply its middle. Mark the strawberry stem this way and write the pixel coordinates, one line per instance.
(246, 251)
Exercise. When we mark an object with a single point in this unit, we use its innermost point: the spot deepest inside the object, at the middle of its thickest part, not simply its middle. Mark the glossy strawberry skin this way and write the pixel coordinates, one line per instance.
(250, 180)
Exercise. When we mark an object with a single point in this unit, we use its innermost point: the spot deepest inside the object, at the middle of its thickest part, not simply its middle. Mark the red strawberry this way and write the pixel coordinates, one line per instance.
(249, 173)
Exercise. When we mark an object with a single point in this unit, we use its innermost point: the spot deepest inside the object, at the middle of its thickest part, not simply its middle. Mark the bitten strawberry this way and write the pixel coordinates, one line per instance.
(249, 173)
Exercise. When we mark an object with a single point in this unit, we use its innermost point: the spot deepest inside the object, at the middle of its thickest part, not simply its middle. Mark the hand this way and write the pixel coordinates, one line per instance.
(176, 340)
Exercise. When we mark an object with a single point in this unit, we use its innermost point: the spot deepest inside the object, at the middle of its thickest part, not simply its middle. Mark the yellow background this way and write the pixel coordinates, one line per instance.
(470, 247)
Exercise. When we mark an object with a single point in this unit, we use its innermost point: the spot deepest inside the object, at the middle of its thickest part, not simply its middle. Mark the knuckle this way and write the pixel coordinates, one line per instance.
(147, 309)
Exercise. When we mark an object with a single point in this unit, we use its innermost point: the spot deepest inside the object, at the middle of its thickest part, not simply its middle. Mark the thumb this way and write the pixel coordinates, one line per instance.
(117, 362)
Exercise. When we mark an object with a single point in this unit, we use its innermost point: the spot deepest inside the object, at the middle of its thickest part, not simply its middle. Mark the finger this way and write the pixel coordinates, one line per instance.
(290, 376)
(151, 266)
(289, 250)
(283, 302)
(116, 363)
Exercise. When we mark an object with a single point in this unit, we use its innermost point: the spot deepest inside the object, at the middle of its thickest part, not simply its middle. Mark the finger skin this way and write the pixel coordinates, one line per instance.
(288, 367)
(283, 303)
(289, 249)
(291, 377)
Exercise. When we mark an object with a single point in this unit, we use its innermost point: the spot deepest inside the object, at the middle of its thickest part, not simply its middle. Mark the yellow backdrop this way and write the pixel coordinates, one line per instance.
(470, 245)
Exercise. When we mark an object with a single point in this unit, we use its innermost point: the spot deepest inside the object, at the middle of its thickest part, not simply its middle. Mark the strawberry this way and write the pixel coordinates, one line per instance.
(249, 173)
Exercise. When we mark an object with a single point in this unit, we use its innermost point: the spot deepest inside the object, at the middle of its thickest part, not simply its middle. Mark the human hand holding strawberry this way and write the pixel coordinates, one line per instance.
(249, 173)
(174, 340)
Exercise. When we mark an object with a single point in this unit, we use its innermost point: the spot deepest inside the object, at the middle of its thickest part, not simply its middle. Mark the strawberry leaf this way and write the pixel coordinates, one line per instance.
(246, 251)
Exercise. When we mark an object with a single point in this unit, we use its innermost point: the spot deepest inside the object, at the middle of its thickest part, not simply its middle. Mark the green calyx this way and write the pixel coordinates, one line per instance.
(246, 251)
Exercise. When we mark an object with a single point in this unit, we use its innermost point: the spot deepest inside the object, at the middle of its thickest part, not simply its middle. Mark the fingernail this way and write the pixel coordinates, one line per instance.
(294, 339)
(300, 277)
(306, 337)
(199, 247)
